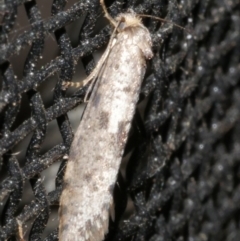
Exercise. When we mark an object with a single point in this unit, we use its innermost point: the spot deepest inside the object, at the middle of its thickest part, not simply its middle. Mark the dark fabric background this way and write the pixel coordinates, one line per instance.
(180, 178)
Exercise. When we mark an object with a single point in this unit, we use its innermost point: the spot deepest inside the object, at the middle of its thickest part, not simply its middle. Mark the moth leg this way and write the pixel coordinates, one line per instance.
(67, 84)
(96, 71)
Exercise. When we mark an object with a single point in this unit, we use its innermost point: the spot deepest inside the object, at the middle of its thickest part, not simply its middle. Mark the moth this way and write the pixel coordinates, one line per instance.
(97, 149)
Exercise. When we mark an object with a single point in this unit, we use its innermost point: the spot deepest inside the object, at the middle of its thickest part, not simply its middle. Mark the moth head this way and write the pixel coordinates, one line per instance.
(128, 20)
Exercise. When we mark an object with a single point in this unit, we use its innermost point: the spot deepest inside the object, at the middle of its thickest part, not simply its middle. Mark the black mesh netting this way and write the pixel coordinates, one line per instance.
(181, 174)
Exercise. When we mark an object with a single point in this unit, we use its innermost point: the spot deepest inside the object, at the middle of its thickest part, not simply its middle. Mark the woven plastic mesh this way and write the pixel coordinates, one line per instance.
(182, 176)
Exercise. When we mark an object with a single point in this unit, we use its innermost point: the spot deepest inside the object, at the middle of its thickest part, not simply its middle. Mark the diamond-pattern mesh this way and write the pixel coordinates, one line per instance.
(182, 174)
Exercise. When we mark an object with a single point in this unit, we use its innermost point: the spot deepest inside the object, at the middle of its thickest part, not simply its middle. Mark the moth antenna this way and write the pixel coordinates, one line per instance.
(107, 15)
(163, 20)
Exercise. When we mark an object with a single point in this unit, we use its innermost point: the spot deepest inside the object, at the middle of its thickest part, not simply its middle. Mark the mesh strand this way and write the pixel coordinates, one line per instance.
(182, 175)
